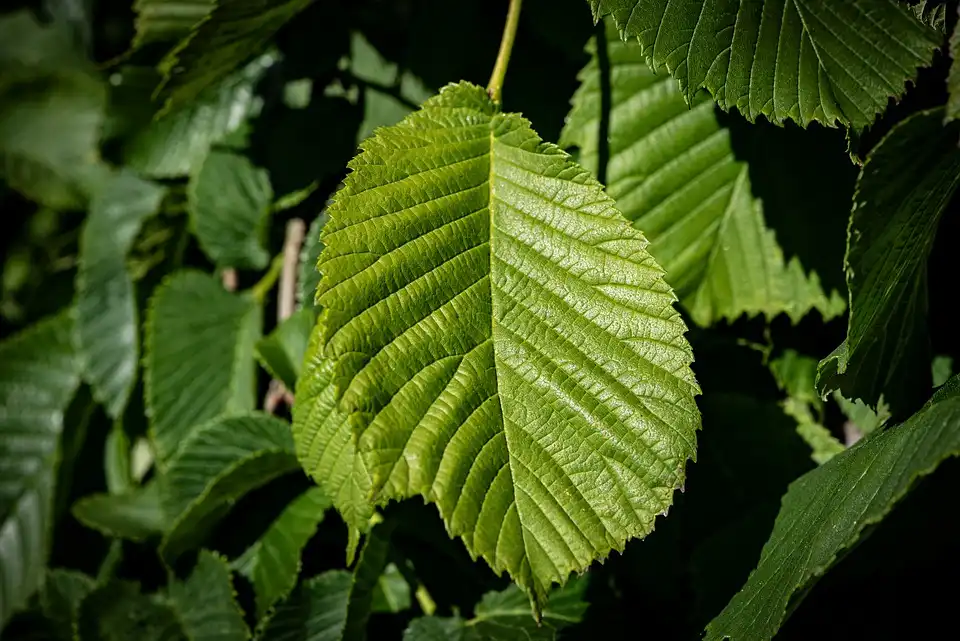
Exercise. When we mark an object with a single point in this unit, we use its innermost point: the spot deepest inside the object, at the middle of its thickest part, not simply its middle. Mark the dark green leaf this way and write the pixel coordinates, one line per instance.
(826, 510)
(673, 172)
(106, 308)
(205, 603)
(316, 611)
(51, 111)
(230, 34)
(176, 143)
(505, 616)
(199, 357)
(370, 566)
(281, 353)
(932, 13)
(904, 187)
(953, 80)
(309, 277)
(39, 374)
(272, 564)
(135, 515)
(166, 20)
(60, 598)
(117, 611)
(218, 464)
(229, 203)
(802, 60)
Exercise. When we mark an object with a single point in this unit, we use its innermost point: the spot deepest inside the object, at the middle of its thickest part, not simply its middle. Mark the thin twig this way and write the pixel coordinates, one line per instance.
(296, 230)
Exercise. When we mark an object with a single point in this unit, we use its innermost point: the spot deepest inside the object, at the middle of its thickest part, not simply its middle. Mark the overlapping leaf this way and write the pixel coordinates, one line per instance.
(39, 374)
(272, 564)
(221, 462)
(503, 616)
(229, 35)
(166, 20)
(63, 592)
(176, 143)
(308, 277)
(485, 307)
(904, 187)
(802, 60)
(825, 511)
(282, 352)
(117, 611)
(199, 356)
(106, 308)
(796, 375)
(137, 514)
(953, 79)
(673, 172)
(229, 203)
(205, 602)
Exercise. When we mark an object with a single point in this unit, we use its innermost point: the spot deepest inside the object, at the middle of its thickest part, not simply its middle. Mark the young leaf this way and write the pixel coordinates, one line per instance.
(932, 13)
(136, 515)
(381, 109)
(825, 511)
(392, 592)
(199, 357)
(281, 353)
(218, 464)
(316, 611)
(802, 60)
(862, 415)
(953, 79)
(229, 203)
(117, 611)
(227, 37)
(903, 189)
(205, 603)
(106, 307)
(324, 441)
(673, 172)
(272, 564)
(166, 20)
(308, 278)
(504, 615)
(39, 374)
(176, 143)
(795, 375)
(51, 111)
(485, 307)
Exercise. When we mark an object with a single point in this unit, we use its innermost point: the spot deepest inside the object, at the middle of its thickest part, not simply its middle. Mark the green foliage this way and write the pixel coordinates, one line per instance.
(826, 510)
(800, 60)
(899, 200)
(255, 267)
(673, 172)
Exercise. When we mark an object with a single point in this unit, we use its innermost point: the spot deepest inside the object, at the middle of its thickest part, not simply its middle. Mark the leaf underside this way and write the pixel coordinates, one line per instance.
(825, 511)
(672, 171)
(904, 188)
(499, 335)
(800, 60)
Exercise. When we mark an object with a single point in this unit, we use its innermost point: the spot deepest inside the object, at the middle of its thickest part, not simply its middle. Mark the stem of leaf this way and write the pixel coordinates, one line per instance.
(495, 88)
(265, 284)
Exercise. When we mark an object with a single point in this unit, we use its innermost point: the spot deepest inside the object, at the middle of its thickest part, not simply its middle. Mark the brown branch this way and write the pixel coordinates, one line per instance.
(296, 230)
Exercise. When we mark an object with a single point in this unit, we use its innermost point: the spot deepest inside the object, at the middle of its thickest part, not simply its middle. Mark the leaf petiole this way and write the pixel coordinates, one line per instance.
(495, 87)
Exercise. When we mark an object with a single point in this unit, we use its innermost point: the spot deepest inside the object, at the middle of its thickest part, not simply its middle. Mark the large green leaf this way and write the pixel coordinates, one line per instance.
(217, 465)
(504, 616)
(106, 307)
(802, 60)
(486, 306)
(673, 172)
(229, 203)
(166, 20)
(282, 352)
(176, 143)
(137, 514)
(317, 610)
(904, 187)
(825, 512)
(205, 602)
(38, 376)
(117, 611)
(324, 441)
(272, 564)
(51, 111)
(228, 36)
(334, 606)
(199, 356)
